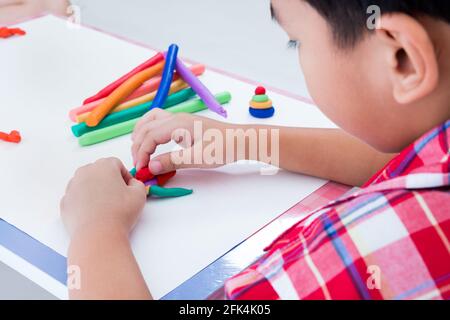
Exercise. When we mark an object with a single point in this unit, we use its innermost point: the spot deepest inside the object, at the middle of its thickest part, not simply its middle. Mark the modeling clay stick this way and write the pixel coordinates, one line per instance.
(179, 97)
(133, 172)
(175, 87)
(132, 113)
(148, 86)
(200, 89)
(126, 127)
(168, 192)
(80, 129)
(121, 93)
(107, 133)
(167, 76)
(113, 86)
(197, 105)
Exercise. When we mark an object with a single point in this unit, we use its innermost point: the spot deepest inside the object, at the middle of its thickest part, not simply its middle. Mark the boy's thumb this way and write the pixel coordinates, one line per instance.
(172, 161)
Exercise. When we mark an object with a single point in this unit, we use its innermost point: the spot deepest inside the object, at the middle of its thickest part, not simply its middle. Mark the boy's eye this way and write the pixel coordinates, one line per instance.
(293, 44)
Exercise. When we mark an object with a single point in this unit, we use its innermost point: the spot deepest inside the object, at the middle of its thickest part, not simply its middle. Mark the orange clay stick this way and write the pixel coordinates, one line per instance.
(176, 86)
(121, 93)
(148, 86)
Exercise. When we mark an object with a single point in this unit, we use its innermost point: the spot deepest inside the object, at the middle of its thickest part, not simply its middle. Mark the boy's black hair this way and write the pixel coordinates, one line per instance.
(348, 18)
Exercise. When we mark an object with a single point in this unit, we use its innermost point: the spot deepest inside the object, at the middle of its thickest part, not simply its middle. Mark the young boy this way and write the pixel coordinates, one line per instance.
(388, 89)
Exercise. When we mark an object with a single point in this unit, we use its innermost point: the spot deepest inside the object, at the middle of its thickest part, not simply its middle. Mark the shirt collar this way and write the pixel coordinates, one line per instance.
(424, 164)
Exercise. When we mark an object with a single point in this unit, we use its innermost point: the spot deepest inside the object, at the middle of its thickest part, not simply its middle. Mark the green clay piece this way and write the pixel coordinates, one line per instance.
(168, 192)
(133, 172)
(196, 105)
(107, 133)
(132, 113)
(260, 98)
(179, 97)
(126, 127)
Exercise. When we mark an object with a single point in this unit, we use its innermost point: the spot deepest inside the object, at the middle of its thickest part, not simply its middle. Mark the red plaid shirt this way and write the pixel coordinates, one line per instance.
(389, 240)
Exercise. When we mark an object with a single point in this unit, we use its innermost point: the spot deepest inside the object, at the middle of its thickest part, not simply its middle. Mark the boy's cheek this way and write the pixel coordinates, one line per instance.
(333, 83)
(321, 76)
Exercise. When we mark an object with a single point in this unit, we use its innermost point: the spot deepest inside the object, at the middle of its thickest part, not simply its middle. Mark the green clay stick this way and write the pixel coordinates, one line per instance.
(168, 192)
(132, 113)
(107, 133)
(120, 129)
(197, 105)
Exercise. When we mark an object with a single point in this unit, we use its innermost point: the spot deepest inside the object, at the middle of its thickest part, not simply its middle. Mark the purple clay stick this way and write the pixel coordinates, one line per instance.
(202, 91)
(151, 182)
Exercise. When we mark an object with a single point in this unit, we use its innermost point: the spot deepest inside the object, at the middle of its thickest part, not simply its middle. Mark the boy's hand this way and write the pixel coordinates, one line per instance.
(13, 10)
(160, 127)
(102, 193)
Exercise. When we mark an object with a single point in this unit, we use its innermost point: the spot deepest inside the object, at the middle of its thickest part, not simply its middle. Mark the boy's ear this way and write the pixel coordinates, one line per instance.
(410, 55)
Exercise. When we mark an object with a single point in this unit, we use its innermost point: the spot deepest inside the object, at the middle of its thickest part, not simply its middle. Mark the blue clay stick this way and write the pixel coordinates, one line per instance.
(167, 77)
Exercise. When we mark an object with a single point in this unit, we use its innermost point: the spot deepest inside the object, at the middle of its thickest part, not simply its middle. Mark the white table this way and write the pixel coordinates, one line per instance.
(252, 33)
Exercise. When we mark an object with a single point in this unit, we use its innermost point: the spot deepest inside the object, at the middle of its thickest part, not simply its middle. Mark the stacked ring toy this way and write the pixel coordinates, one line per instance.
(260, 105)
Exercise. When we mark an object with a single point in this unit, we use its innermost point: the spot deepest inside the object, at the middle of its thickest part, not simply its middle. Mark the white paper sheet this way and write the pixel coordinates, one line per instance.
(52, 69)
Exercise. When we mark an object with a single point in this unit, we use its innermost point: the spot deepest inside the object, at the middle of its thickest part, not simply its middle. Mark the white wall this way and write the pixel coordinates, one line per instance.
(235, 35)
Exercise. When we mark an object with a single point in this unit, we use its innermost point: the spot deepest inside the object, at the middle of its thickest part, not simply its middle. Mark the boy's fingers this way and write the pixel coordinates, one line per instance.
(150, 116)
(142, 134)
(116, 164)
(148, 147)
(135, 183)
(138, 137)
(126, 175)
(137, 144)
(138, 190)
(152, 139)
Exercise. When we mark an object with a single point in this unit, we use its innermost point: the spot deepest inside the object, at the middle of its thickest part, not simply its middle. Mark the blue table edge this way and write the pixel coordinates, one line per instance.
(198, 287)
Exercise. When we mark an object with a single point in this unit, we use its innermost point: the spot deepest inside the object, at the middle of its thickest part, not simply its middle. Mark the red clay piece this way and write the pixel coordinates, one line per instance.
(18, 31)
(13, 137)
(260, 90)
(4, 136)
(164, 178)
(144, 175)
(9, 32)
